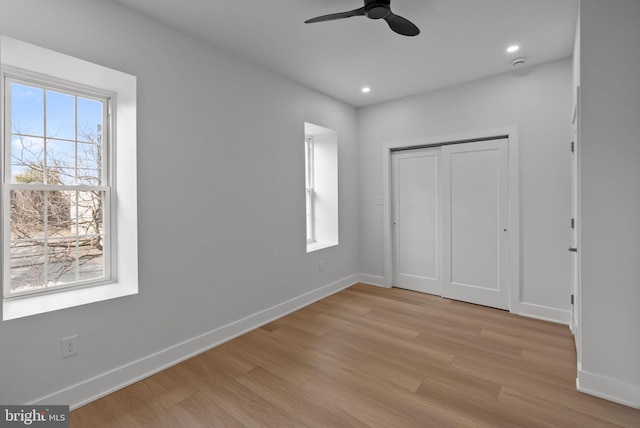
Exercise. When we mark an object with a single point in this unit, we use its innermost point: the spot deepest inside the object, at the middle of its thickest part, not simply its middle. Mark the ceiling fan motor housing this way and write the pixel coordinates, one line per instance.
(377, 9)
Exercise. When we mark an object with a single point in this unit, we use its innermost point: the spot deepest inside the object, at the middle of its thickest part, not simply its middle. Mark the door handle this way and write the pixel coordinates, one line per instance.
(573, 250)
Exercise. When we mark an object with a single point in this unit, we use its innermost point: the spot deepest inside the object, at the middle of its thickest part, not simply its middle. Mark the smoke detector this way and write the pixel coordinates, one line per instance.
(518, 61)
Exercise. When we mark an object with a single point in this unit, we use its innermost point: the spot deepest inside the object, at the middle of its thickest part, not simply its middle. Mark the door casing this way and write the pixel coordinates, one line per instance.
(511, 134)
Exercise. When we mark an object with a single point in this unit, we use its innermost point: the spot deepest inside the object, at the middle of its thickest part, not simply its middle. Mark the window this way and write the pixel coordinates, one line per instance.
(57, 182)
(321, 176)
(311, 193)
(68, 136)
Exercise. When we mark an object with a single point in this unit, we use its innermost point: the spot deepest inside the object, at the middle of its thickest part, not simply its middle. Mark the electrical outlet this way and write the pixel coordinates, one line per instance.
(70, 346)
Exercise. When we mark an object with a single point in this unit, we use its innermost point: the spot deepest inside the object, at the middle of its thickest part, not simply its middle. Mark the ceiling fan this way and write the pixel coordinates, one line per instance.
(375, 9)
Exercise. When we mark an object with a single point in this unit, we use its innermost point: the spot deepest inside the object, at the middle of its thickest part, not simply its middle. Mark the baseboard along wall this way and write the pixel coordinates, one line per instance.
(105, 383)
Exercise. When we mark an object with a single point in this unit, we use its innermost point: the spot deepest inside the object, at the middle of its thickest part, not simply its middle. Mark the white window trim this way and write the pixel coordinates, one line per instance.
(18, 54)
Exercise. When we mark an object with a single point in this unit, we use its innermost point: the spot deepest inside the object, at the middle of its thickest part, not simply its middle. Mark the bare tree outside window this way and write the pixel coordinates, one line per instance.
(57, 197)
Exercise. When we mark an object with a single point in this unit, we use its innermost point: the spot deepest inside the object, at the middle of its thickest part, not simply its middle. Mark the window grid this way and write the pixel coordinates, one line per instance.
(82, 244)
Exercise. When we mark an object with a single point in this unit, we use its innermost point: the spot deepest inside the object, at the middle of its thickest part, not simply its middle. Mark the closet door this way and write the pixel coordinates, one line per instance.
(417, 222)
(475, 221)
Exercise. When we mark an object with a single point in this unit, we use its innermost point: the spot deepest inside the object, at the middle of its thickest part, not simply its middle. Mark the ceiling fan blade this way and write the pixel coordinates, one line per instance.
(332, 16)
(401, 25)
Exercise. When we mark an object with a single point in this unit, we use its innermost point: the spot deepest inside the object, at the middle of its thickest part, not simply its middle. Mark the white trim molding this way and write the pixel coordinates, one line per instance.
(511, 132)
(608, 388)
(376, 280)
(121, 377)
(545, 313)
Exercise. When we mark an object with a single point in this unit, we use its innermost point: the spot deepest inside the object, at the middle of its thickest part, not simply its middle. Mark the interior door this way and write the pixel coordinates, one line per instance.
(475, 222)
(417, 220)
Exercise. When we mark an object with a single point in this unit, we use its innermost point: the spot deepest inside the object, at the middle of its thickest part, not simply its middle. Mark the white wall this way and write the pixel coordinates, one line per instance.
(221, 203)
(538, 101)
(610, 205)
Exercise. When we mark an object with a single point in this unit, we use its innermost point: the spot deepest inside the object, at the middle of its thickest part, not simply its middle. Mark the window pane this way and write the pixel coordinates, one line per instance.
(27, 159)
(61, 115)
(89, 120)
(27, 110)
(62, 262)
(310, 236)
(91, 258)
(27, 214)
(61, 162)
(90, 213)
(91, 231)
(61, 213)
(89, 164)
(27, 265)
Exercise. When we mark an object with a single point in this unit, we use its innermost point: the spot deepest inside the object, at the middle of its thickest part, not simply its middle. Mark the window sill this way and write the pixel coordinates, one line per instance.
(39, 304)
(320, 246)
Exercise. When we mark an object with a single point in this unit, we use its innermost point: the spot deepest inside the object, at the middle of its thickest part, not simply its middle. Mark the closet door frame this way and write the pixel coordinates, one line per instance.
(511, 134)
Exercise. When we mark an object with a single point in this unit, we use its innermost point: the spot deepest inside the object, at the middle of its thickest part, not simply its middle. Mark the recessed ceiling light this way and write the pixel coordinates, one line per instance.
(513, 48)
(366, 89)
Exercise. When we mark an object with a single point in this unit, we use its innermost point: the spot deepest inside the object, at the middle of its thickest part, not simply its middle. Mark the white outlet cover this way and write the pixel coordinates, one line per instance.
(69, 346)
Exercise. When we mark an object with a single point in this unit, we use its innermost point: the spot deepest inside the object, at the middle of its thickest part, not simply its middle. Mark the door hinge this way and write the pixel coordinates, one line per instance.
(573, 146)
(573, 223)
(572, 299)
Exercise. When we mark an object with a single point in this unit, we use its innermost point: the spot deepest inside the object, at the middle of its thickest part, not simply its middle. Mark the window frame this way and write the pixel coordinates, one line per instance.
(44, 82)
(310, 189)
(325, 186)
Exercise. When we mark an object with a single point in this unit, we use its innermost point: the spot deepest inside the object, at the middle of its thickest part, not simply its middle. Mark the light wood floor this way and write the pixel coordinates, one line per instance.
(369, 356)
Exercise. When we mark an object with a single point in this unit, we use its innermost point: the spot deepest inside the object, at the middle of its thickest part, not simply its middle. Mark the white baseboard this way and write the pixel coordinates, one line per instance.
(609, 389)
(111, 381)
(372, 280)
(544, 313)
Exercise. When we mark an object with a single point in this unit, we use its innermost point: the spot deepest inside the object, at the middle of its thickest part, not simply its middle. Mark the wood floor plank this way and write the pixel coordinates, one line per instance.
(225, 360)
(199, 411)
(385, 405)
(166, 388)
(526, 342)
(134, 407)
(302, 320)
(300, 406)
(401, 350)
(511, 374)
(370, 356)
(239, 402)
(94, 415)
(280, 364)
(337, 321)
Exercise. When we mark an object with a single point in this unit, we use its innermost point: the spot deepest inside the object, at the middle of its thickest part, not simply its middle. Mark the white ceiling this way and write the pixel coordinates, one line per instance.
(460, 40)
